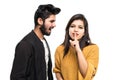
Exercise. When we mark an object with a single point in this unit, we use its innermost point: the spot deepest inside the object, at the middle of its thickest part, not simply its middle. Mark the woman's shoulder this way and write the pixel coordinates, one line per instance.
(92, 46)
(60, 47)
(59, 50)
(92, 49)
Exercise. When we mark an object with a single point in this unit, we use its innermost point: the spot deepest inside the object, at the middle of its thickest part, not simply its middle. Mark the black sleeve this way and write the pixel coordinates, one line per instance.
(23, 52)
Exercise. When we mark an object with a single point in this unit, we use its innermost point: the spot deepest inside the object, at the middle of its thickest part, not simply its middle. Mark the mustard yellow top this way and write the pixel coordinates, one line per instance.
(68, 65)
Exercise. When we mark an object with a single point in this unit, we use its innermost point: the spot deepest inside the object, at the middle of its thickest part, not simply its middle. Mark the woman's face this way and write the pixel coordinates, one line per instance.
(76, 29)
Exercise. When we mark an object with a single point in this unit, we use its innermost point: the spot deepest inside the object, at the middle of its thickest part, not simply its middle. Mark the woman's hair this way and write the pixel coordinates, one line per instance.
(84, 41)
(44, 11)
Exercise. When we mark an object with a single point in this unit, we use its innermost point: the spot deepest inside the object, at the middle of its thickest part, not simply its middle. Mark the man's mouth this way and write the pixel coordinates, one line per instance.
(50, 28)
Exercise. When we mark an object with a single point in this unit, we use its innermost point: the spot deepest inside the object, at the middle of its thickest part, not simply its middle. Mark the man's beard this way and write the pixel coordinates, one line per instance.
(43, 30)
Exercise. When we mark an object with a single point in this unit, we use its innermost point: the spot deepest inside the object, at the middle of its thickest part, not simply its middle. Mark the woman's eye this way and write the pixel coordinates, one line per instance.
(81, 27)
(72, 26)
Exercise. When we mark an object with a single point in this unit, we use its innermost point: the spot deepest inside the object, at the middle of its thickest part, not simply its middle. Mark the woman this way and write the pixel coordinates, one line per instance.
(77, 57)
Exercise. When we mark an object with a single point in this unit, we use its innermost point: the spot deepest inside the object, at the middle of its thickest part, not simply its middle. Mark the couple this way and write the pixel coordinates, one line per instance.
(75, 59)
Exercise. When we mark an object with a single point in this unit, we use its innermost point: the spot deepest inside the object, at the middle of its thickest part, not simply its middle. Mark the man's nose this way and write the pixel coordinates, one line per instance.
(54, 25)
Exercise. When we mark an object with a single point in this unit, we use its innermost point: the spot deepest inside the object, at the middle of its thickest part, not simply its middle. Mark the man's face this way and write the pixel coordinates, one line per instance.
(48, 25)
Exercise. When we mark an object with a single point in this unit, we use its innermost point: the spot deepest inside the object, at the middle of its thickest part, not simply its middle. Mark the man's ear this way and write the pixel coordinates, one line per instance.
(40, 21)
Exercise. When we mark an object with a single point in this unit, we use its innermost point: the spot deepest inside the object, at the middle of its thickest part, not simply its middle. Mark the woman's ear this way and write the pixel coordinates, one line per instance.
(40, 21)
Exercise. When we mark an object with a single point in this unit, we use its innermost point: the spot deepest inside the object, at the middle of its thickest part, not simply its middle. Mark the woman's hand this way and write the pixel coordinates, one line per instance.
(75, 43)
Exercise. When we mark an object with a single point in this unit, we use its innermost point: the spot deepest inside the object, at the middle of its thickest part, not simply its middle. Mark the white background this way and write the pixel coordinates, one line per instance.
(17, 19)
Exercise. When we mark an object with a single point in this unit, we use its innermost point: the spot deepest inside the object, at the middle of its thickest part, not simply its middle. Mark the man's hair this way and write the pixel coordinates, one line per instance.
(44, 11)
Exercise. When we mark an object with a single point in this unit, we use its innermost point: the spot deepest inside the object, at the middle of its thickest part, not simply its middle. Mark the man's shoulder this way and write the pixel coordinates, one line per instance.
(29, 36)
(26, 40)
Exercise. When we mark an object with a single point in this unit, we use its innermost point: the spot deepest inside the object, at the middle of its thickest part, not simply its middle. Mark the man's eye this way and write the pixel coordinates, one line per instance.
(52, 21)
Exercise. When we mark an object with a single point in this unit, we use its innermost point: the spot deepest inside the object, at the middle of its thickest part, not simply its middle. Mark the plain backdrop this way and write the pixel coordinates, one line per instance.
(17, 20)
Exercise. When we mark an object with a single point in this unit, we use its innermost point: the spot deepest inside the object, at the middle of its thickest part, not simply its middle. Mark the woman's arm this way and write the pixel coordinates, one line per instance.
(82, 63)
(81, 59)
(59, 76)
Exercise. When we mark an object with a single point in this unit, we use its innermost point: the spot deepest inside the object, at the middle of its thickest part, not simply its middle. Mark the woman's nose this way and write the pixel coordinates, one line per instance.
(75, 29)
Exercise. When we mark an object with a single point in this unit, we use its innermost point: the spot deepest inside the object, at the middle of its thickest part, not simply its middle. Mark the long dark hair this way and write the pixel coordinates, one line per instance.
(84, 41)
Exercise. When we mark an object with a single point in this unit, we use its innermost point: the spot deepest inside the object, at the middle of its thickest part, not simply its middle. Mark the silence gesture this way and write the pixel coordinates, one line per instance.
(75, 43)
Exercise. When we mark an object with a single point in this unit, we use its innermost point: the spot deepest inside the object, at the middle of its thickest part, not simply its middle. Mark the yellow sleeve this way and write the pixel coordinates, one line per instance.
(92, 59)
(56, 69)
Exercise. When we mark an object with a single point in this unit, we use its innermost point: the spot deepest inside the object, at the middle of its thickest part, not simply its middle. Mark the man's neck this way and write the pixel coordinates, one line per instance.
(38, 33)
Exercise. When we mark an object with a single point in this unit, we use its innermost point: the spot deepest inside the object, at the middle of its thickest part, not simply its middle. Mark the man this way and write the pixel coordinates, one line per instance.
(32, 54)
